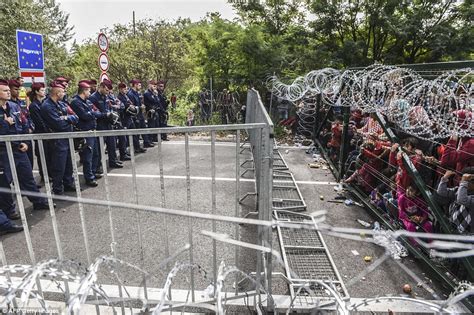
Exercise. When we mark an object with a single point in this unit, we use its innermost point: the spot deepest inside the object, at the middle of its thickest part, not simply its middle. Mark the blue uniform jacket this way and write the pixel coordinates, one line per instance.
(6, 128)
(100, 102)
(35, 114)
(51, 113)
(163, 100)
(151, 100)
(84, 110)
(135, 98)
(22, 116)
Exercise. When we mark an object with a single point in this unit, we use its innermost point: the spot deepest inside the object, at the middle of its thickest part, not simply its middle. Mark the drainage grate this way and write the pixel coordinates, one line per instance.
(310, 264)
(300, 237)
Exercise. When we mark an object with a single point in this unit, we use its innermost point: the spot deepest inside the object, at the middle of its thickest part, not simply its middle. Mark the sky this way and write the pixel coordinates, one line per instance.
(89, 16)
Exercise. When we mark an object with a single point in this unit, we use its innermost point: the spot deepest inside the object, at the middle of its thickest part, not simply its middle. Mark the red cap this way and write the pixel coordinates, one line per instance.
(56, 84)
(84, 84)
(122, 85)
(92, 82)
(107, 84)
(153, 82)
(62, 79)
(36, 86)
(135, 81)
(14, 83)
(3, 82)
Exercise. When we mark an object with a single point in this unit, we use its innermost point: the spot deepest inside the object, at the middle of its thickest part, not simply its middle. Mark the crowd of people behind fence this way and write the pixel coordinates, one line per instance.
(377, 166)
(94, 107)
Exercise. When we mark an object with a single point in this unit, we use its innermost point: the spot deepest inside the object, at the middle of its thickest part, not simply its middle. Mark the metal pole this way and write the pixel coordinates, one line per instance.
(345, 142)
(271, 100)
(213, 202)
(190, 222)
(212, 98)
(237, 204)
(134, 32)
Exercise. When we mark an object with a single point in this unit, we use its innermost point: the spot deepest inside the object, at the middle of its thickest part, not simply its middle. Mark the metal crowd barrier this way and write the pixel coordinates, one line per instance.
(260, 130)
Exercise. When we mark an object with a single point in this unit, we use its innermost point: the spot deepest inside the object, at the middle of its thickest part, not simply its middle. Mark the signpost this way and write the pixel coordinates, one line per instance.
(103, 60)
(30, 54)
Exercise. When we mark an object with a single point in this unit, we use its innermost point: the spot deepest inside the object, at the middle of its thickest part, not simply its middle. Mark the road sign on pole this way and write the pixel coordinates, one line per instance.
(29, 50)
(103, 77)
(103, 42)
(104, 62)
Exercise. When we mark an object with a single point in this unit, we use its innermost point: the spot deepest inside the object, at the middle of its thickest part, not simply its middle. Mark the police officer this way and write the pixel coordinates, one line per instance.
(152, 104)
(119, 108)
(99, 99)
(55, 115)
(65, 82)
(93, 84)
(163, 108)
(27, 125)
(36, 96)
(136, 98)
(87, 121)
(129, 115)
(10, 124)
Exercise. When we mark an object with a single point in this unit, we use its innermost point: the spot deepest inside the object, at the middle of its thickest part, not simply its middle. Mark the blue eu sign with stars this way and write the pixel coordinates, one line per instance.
(30, 50)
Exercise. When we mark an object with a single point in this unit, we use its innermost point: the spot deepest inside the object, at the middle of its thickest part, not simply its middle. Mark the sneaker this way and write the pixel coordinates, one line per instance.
(141, 150)
(149, 145)
(126, 158)
(13, 228)
(70, 189)
(116, 165)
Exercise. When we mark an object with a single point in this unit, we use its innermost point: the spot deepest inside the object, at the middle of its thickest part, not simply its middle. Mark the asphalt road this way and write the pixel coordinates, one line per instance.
(155, 228)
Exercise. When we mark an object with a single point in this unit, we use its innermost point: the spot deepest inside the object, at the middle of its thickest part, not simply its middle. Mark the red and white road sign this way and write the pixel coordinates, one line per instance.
(103, 77)
(31, 77)
(104, 62)
(103, 42)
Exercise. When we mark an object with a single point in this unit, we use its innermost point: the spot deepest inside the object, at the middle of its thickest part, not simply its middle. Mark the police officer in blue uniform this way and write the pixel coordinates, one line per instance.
(27, 125)
(163, 108)
(119, 108)
(152, 104)
(36, 96)
(136, 98)
(99, 99)
(57, 118)
(129, 115)
(11, 124)
(87, 121)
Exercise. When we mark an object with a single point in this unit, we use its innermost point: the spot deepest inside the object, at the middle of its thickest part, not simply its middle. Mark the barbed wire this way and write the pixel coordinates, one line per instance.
(429, 109)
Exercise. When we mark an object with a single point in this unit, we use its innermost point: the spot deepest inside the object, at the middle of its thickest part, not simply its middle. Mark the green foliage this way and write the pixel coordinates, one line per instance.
(40, 16)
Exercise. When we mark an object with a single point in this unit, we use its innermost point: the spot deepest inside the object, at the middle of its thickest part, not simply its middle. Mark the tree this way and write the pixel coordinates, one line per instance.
(40, 16)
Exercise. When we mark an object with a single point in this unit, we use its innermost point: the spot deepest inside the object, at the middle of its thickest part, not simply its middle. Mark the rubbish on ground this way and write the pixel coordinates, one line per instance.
(340, 197)
(407, 288)
(338, 187)
(324, 168)
(314, 165)
(376, 226)
(349, 202)
(321, 197)
(363, 223)
(363, 278)
(387, 240)
(354, 252)
(367, 258)
(335, 201)
(287, 151)
(419, 284)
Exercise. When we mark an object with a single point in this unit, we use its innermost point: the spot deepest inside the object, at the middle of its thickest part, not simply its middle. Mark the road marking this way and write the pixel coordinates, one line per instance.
(207, 178)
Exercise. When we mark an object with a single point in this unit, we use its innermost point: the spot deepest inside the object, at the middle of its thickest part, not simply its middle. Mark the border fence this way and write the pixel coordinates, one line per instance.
(260, 137)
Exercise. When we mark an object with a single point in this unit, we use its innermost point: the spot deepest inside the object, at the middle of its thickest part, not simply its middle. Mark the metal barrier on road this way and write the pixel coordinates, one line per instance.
(260, 130)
